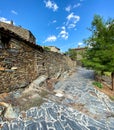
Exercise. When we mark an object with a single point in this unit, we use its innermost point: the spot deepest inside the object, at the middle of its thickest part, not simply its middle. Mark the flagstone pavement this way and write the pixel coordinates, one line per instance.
(77, 105)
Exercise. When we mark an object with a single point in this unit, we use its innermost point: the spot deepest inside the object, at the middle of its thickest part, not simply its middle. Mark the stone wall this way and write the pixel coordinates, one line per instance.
(22, 63)
(17, 66)
(24, 33)
(53, 64)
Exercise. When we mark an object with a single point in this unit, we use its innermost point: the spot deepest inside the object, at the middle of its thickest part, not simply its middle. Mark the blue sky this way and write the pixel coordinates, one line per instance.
(60, 23)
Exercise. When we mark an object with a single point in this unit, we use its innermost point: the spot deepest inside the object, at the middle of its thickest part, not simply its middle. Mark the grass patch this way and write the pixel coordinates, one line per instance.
(33, 101)
(28, 100)
(36, 102)
(43, 93)
(98, 84)
(112, 98)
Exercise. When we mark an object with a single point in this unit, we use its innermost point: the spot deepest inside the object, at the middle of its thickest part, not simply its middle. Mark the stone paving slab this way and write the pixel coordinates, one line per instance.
(56, 117)
(81, 107)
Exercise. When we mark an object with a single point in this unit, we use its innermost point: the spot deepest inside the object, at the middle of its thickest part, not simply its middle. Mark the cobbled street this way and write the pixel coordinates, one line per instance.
(76, 105)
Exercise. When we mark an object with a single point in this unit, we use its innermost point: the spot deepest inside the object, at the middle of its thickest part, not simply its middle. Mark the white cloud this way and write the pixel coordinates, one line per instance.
(63, 28)
(72, 25)
(72, 16)
(54, 21)
(14, 12)
(68, 8)
(2, 19)
(63, 34)
(52, 38)
(51, 5)
(80, 44)
(72, 19)
(76, 5)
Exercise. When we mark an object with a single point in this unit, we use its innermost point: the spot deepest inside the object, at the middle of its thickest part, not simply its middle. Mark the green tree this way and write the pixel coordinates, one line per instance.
(72, 54)
(47, 48)
(100, 46)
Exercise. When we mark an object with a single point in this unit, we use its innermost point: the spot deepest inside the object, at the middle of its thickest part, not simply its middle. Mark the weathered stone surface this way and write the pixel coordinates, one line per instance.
(20, 68)
(82, 108)
(22, 60)
(36, 84)
(52, 113)
(14, 68)
(73, 125)
(44, 125)
(1, 110)
(5, 127)
(24, 33)
(58, 126)
(9, 113)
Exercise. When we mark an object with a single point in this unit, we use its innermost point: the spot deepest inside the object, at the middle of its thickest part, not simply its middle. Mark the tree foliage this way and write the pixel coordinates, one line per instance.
(100, 45)
(72, 54)
(47, 48)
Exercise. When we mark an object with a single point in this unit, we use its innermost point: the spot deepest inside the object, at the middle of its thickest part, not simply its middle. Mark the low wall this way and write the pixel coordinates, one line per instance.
(17, 68)
(22, 64)
(53, 64)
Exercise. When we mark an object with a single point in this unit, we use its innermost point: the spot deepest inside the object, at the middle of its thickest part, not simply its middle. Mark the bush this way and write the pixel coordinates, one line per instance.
(98, 84)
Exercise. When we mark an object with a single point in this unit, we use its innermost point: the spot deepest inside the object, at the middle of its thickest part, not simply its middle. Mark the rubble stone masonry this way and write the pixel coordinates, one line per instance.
(21, 64)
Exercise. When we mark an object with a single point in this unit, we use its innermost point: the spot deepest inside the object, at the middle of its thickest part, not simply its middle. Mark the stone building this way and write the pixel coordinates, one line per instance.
(54, 49)
(21, 32)
(80, 51)
(22, 61)
(17, 57)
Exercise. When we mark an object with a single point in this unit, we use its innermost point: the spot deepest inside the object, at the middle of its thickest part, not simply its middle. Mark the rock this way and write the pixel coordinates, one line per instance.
(58, 75)
(8, 70)
(36, 84)
(59, 93)
(1, 110)
(9, 113)
(3, 96)
(14, 68)
(2, 68)
(58, 125)
(38, 81)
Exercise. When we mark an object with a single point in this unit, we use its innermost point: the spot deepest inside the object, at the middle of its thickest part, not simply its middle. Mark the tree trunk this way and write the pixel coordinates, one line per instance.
(112, 75)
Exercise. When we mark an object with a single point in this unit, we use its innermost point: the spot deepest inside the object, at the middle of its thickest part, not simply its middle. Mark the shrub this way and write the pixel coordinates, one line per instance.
(98, 84)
